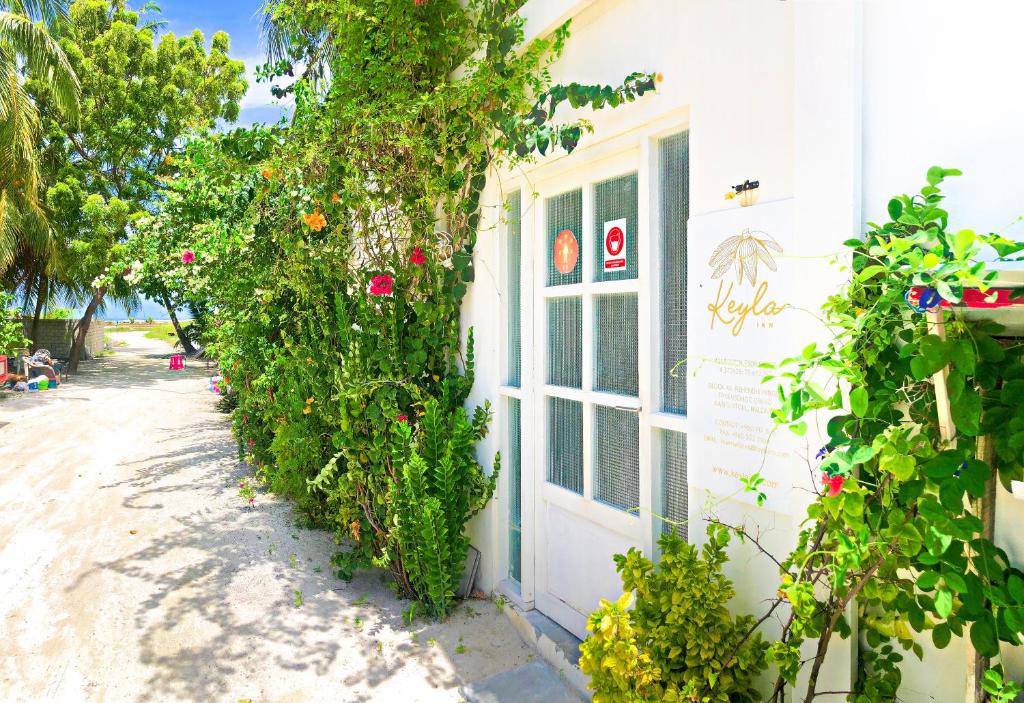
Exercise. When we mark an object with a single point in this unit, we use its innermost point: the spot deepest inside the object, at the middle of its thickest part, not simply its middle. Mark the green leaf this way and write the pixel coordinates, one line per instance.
(941, 635)
(967, 413)
(895, 209)
(1015, 587)
(859, 401)
(927, 580)
(955, 581)
(934, 176)
(942, 466)
(983, 637)
(943, 603)
(901, 466)
(962, 242)
(962, 354)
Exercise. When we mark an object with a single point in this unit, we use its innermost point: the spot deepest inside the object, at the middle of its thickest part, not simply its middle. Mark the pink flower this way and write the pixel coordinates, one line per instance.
(834, 483)
(418, 257)
(188, 256)
(251, 441)
(381, 285)
(403, 418)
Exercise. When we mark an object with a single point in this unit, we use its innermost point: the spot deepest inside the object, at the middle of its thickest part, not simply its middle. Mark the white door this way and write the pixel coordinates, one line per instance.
(593, 477)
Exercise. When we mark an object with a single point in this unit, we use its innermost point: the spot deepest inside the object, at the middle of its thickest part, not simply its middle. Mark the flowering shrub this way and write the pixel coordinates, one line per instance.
(332, 256)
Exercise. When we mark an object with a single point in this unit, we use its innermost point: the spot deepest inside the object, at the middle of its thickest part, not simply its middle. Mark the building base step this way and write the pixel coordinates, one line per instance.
(535, 682)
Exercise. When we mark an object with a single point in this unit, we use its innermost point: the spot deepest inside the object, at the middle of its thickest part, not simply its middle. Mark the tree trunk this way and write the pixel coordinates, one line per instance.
(42, 292)
(186, 343)
(83, 328)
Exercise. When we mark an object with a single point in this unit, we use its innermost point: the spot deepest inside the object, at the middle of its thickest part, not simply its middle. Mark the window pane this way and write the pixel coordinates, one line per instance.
(615, 344)
(615, 204)
(515, 486)
(616, 458)
(674, 186)
(565, 212)
(565, 444)
(513, 257)
(674, 499)
(565, 342)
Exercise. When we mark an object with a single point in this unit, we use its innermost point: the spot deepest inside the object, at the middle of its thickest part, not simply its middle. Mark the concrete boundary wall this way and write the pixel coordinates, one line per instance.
(57, 336)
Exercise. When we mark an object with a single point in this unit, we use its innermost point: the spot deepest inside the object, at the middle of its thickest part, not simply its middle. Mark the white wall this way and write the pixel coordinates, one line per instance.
(942, 87)
(740, 93)
(931, 83)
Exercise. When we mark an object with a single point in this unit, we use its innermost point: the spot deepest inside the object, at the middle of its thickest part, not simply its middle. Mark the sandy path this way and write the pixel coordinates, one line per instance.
(197, 603)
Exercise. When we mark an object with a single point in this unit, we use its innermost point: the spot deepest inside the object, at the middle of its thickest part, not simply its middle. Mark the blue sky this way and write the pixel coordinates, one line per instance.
(241, 19)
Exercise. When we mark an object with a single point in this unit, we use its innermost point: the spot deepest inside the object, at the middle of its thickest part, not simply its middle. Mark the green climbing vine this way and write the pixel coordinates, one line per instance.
(898, 536)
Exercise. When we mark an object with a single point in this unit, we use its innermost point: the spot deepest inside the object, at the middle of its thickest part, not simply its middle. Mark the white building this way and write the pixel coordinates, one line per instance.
(833, 106)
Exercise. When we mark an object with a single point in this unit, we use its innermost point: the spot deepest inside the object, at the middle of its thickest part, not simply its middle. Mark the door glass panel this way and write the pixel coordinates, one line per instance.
(565, 345)
(515, 485)
(565, 214)
(674, 498)
(615, 206)
(513, 258)
(615, 344)
(565, 444)
(674, 191)
(617, 458)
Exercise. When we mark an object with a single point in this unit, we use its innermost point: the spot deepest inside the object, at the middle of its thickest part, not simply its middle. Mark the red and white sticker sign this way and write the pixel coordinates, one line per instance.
(615, 244)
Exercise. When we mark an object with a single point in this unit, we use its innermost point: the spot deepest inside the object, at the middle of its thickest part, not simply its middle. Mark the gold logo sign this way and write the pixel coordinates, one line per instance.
(743, 253)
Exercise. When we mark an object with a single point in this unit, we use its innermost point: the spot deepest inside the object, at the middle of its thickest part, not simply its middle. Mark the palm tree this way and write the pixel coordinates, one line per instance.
(27, 47)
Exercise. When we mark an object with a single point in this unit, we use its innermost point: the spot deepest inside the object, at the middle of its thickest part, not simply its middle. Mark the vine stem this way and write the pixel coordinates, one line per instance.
(840, 606)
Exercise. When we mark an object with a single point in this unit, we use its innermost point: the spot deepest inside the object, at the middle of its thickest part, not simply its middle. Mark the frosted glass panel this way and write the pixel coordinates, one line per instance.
(617, 458)
(565, 212)
(615, 200)
(565, 342)
(615, 344)
(513, 258)
(565, 444)
(674, 487)
(674, 191)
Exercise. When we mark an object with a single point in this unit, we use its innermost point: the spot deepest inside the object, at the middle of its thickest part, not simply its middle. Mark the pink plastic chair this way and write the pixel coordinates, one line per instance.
(177, 362)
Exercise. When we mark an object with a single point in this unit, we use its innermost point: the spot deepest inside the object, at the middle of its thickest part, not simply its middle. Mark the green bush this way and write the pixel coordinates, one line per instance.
(440, 488)
(679, 642)
(60, 314)
(11, 331)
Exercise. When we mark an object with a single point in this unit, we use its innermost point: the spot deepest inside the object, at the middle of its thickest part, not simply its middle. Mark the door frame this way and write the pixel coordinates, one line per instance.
(635, 150)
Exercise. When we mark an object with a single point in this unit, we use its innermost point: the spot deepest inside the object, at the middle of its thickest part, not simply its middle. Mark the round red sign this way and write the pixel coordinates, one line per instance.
(566, 251)
(614, 241)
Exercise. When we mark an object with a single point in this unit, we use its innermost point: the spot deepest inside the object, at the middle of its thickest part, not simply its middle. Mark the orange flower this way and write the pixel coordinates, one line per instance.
(659, 77)
(315, 220)
(335, 197)
(267, 173)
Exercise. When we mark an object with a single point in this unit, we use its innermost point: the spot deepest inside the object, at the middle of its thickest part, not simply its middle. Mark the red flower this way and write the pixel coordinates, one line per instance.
(418, 3)
(251, 441)
(381, 285)
(188, 256)
(403, 418)
(834, 483)
(418, 257)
